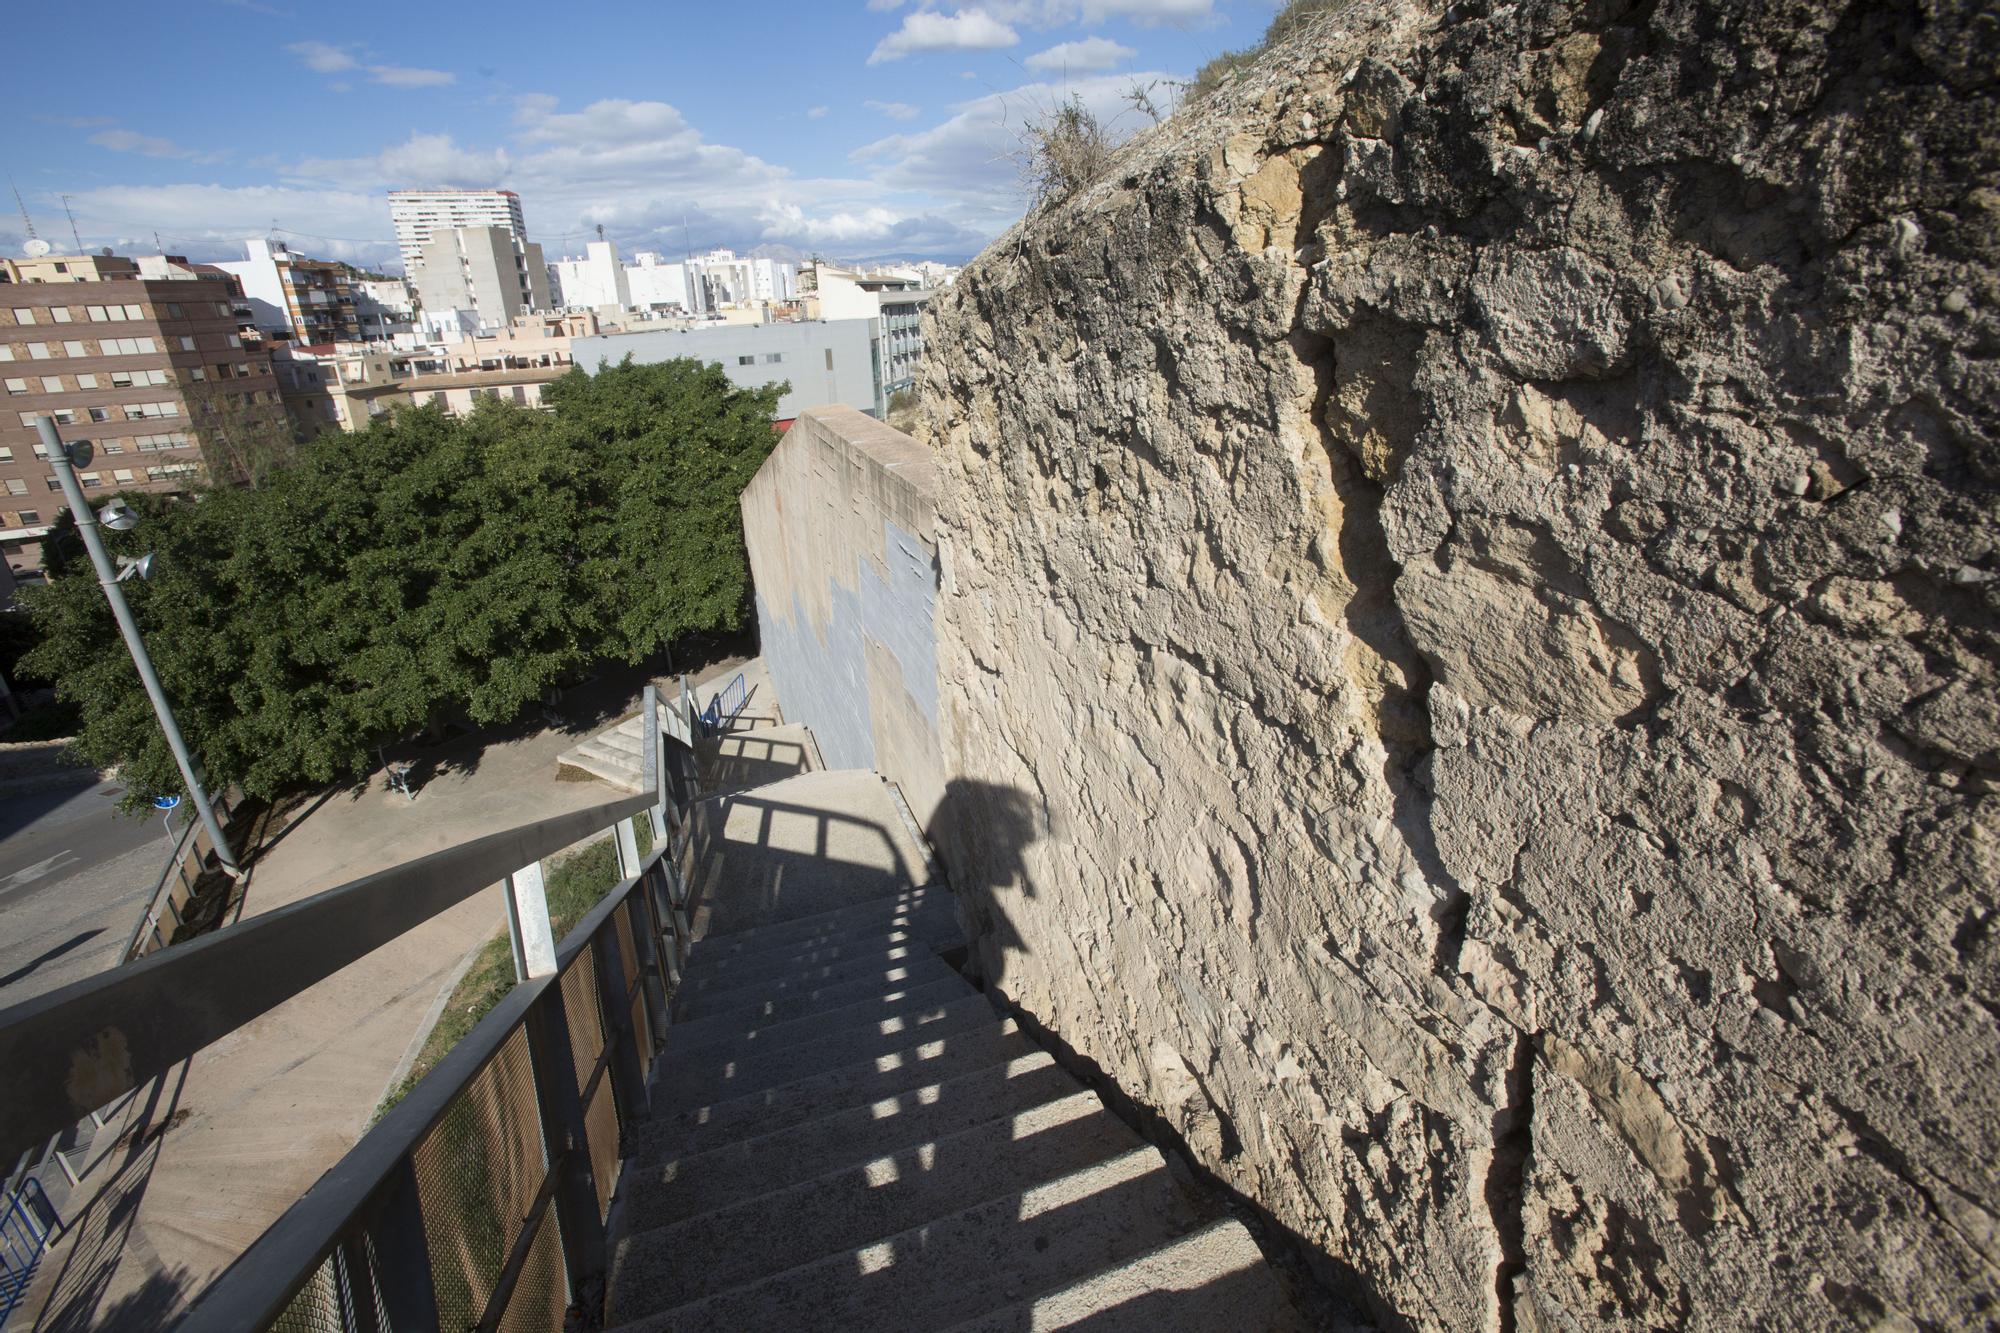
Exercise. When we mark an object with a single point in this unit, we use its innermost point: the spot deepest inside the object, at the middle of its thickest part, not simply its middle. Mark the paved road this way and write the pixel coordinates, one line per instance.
(74, 876)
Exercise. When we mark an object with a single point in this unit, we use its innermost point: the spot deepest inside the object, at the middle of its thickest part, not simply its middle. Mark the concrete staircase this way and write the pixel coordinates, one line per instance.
(846, 1135)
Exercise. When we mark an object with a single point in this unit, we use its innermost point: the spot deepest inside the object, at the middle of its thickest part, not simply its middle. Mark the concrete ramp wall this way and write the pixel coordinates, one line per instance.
(840, 527)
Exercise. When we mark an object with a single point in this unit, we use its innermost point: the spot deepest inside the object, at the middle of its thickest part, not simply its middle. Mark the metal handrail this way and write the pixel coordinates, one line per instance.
(161, 898)
(720, 711)
(372, 1189)
(77, 1048)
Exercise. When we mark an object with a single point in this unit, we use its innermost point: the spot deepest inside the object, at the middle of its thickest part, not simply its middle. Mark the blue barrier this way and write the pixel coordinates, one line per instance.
(723, 708)
(25, 1228)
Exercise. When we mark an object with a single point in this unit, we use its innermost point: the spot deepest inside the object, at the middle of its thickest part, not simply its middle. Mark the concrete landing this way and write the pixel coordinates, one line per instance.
(796, 848)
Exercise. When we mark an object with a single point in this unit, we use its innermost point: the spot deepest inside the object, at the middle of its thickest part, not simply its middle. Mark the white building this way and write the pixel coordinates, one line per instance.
(594, 281)
(384, 308)
(480, 278)
(652, 283)
(418, 215)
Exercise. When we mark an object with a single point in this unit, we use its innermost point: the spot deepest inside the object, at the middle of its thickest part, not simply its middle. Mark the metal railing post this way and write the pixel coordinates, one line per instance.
(650, 763)
(528, 928)
(567, 1142)
(627, 840)
(409, 1298)
(646, 939)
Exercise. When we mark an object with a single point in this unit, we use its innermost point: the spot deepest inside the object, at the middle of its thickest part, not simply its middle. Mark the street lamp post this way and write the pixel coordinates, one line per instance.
(107, 576)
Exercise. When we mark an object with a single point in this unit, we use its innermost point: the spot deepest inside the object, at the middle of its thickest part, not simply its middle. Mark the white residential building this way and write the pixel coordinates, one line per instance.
(479, 278)
(652, 282)
(594, 281)
(418, 215)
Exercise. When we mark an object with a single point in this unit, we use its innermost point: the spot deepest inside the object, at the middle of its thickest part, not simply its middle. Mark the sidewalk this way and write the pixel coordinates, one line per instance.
(257, 1117)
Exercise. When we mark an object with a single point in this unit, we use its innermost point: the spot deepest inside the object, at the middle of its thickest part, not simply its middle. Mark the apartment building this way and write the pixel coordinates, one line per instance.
(312, 300)
(342, 387)
(480, 278)
(836, 361)
(418, 215)
(127, 360)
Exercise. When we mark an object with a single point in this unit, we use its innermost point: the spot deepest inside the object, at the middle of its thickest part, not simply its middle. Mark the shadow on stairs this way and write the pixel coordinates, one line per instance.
(844, 1134)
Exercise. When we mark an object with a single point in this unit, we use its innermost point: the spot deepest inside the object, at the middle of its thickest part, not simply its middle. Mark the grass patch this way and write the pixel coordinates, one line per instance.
(1227, 67)
(574, 883)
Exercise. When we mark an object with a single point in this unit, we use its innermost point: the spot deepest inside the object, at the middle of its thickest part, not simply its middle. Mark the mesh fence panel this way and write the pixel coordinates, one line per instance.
(600, 1126)
(586, 1026)
(540, 1298)
(316, 1309)
(631, 919)
(478, 1172)
(628, 957)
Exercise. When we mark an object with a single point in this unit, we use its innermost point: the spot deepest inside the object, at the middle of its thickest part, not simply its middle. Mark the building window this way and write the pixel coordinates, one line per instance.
(773, 358)
(6, 351)
(86, 381)
(74, 348)
(91, 480)
(746, 360)
(17, 386)
(100, 414)
(16, 486)
(59, 313)
(122, 475)
(7, 456)
(235, 341)
(134, 312)
(52, 384)
(24, 314)
(173, 310)
(110, 447)
(29, 517)
(829, 358)
(38, 351)
(197, 373)
(52, 483)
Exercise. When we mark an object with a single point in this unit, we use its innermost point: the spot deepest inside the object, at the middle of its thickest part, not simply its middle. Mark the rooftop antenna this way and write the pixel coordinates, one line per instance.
(36, 247)
(600, 231)
(72, 224)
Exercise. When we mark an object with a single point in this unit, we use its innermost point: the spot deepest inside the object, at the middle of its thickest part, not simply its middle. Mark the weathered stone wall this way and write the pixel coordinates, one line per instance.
(839, 525)
(1468, 637)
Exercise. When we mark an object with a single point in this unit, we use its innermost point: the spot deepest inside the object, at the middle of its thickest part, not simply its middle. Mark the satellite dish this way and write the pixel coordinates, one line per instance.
(35, 248)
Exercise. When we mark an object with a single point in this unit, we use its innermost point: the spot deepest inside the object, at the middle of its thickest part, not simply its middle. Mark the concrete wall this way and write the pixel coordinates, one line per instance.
(839, 525)
(846, 376)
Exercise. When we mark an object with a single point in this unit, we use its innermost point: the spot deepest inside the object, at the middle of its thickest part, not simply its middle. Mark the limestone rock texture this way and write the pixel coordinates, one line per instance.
(1467, 647)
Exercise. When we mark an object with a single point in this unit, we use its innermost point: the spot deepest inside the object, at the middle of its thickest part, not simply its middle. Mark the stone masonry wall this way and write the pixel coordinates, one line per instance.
(1468, 631)
(839, 525)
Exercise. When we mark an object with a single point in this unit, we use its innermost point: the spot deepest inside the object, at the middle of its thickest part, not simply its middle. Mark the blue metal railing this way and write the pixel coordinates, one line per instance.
(25, 1228)
(723, 708)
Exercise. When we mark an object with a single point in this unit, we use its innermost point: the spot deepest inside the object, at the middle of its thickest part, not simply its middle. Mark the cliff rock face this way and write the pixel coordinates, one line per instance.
(1467, 647)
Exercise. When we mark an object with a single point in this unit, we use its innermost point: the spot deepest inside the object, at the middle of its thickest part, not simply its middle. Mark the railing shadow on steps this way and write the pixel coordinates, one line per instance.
(483, 1193)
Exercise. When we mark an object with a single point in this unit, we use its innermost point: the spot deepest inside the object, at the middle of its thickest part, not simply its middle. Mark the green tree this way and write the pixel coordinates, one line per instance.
(420, 569)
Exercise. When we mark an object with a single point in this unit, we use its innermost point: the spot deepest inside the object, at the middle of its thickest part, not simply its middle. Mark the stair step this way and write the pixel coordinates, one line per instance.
(855, 1206)
(666, 1191)
(955, 1267)
(695, 1000)
(620, 741)
(688, 1052)
(732, 974)
(935, 921)
(752, 1072)
(839, 920)
(932, 1059)
(764, 1013)
(1215, 1278)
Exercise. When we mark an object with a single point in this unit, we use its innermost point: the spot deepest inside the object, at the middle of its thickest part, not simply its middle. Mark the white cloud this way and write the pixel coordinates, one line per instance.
(322, 57)
(884, 6)
(403, 76)
(966, 30)
(894, 110)
(150, 145)
(1088, 54)
(974, 156)
(816, 113)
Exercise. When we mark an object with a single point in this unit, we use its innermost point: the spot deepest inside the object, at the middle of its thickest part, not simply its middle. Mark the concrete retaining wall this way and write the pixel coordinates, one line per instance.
(839, 524)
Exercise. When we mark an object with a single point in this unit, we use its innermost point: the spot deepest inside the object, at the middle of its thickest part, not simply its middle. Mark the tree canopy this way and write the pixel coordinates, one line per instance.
(426, 567)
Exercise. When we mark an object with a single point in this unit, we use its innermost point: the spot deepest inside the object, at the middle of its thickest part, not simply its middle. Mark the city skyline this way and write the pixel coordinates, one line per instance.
(865, 130)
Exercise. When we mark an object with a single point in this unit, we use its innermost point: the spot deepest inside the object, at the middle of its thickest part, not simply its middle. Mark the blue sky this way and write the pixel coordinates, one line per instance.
(858, 129)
